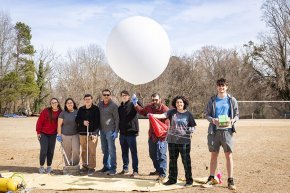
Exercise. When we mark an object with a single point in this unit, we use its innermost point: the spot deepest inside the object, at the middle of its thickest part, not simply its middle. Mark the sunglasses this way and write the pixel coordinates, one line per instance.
(106, 95)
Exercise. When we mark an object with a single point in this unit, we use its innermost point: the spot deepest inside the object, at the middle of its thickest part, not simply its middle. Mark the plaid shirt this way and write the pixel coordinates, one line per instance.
(153, 110)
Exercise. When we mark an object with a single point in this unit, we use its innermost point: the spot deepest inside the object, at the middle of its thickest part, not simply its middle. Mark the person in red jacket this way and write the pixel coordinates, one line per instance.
(46, 129)
(157, 145)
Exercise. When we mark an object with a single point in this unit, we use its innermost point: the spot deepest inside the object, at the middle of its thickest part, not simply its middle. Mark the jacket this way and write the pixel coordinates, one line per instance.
(151, 109)
(44, 125)
(109, 116)
(92, 115)
(128, 123)
(210, 112)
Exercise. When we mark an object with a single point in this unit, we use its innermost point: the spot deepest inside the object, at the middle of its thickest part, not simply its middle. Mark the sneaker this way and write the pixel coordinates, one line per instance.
(111, 173)
(41, 170)
(154, 173)
(84, 170)
(210, 182)
(103, 170)
(189, 183)
(91, 172)
(134, 174)
(124, 172)
(169, 182)
(231, 184)
(160, 179)
(49, 169)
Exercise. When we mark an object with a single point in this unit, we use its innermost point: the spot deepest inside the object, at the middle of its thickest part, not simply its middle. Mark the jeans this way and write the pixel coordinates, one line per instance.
(109, 150)
(47, 145)
(157, 152)
(129, 142)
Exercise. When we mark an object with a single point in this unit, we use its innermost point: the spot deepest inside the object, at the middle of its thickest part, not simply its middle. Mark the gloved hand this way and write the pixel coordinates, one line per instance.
(114, 135)
(134, 99)
(59, 138)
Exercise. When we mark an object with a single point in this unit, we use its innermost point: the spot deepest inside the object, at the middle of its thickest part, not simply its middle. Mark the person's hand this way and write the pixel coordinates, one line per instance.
(134, 100)
(191, 129)
(86, 123)
(215, 121)
(38, 137)
(98, 132)
(233, 121)
(149, 114)
(59, 138)
(94, 138)
(114, 135)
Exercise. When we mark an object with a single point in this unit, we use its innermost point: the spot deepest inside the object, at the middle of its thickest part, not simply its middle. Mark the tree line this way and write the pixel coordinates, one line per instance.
(257, 71)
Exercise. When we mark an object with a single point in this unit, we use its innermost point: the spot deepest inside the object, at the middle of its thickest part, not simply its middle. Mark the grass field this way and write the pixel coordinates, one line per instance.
(261, 154)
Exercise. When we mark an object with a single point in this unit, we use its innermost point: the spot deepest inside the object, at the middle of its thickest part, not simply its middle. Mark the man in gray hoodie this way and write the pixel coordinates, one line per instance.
(109, 117)
(221, 112)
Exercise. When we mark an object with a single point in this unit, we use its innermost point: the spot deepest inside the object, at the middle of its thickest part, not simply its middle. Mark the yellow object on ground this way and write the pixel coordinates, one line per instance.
(12, 183)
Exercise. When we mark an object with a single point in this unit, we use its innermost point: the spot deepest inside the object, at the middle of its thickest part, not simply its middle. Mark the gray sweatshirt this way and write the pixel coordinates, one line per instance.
(109, 116)
(210, 112)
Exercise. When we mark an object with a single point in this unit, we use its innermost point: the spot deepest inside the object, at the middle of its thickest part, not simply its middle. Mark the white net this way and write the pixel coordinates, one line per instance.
(180, 134)
(264, 109)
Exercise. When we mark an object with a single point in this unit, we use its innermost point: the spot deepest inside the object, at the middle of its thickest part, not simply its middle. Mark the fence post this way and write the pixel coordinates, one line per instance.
(252, 115)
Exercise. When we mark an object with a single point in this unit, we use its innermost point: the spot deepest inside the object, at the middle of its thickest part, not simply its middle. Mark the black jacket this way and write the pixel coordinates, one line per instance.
(128, 123)
(92, 115)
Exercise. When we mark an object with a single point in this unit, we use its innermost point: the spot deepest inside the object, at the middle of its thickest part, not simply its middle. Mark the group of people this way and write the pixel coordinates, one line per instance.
(79, 129)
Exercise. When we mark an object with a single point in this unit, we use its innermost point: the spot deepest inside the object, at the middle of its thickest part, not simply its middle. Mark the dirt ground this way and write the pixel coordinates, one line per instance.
(261, 155)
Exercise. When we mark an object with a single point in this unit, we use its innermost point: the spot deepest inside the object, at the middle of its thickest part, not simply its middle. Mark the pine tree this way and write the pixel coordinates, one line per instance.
(24, 66)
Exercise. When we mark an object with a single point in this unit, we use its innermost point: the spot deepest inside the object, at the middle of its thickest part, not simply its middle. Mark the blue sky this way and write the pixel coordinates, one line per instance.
(190, 24)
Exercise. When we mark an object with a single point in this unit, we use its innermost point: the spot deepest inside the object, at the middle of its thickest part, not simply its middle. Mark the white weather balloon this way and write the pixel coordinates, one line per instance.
(138, 49)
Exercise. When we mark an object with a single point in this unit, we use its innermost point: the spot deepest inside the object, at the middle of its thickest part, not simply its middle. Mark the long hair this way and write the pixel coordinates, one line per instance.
(70, 99)
(51, 118)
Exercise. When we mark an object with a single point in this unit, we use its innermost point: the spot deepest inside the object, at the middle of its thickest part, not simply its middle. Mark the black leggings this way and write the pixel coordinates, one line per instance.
(47, 145)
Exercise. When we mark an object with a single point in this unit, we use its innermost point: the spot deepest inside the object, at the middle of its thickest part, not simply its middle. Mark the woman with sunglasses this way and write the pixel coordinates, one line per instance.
(67, 132)
(46, 129)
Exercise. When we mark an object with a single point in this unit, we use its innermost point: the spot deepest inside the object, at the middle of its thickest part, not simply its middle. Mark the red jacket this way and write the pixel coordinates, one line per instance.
(44, 125)
(151, 109)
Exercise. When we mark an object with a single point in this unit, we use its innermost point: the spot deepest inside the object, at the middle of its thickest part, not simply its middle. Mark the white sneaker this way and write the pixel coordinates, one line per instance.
(210, 182)
(49, 169)
(41, 170)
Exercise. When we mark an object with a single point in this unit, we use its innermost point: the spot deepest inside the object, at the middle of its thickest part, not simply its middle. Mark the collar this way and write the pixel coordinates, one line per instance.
(122, 103)
(105, 105)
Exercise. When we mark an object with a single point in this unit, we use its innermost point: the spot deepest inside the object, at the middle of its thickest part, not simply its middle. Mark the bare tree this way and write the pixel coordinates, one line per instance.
(85, 70)
(7, 43)
(271, 59)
